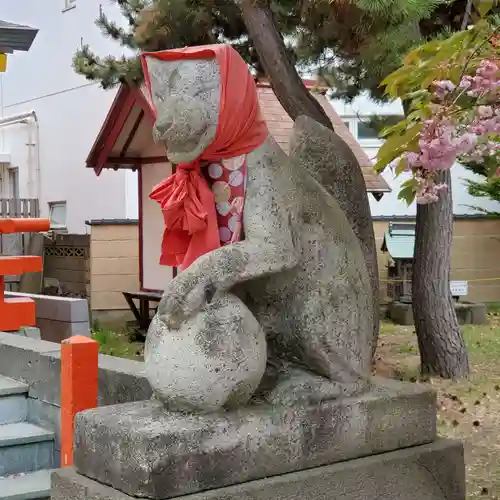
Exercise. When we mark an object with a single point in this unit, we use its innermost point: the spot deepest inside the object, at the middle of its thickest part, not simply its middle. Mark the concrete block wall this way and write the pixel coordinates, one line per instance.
(66, 262)
(38, 364)
(59, 318)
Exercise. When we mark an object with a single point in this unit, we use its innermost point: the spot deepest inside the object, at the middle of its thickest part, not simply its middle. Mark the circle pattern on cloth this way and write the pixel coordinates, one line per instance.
(235, 178)
(233, 222)
(224, 234)
(234, 163)
(222, 191)
(223, 208)
(215, 170)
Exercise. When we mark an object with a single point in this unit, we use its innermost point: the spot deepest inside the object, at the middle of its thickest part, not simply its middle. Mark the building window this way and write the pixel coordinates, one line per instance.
(369, 128)
(57, 214)
(365, 131)
(69, 4)
(14, 183)
(350, 125)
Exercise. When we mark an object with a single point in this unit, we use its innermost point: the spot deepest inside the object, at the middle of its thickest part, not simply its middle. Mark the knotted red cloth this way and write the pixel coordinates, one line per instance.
(186, 200)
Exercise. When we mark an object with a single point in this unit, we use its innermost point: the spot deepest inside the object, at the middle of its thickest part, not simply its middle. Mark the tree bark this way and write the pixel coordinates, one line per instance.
(442, 348)
(297, 100)
(285, 81)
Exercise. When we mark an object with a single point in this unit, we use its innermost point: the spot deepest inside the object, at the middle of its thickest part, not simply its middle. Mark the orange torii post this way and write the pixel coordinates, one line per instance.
(19, 311)
(79, 387)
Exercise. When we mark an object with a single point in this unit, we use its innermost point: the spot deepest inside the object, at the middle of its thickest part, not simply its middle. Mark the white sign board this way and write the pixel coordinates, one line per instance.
(459, 288)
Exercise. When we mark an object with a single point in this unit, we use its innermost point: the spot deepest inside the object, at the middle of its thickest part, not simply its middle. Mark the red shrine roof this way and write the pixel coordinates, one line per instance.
(126, 135)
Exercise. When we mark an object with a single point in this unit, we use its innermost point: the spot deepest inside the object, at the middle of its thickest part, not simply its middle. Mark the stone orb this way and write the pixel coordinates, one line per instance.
(216, 359)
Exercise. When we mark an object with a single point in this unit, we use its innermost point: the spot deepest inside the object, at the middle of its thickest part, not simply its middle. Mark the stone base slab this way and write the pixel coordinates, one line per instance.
(468, 313)
(433, 471)
(145, 451)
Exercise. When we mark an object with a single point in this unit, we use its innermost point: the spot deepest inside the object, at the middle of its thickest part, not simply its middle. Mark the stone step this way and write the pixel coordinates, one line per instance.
(13, 401)
(25, 447)
(30, 486)
(11, 387)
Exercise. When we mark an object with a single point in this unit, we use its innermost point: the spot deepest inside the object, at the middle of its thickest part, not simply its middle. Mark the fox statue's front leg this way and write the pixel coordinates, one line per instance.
(205, 349)
(220, 270)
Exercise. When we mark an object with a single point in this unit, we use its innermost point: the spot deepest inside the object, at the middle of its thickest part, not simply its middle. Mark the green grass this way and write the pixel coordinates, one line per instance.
(117, 344)
(386, 327)
(483, 341)
(406, 348)
(493, 307)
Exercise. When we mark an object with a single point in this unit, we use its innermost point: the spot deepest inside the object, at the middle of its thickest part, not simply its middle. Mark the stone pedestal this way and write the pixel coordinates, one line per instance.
(429, 472)
(470, 313)
(261, 452)
(401, 313)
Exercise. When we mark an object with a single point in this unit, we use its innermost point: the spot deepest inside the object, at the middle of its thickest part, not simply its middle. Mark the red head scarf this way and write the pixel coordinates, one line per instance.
(186, 200)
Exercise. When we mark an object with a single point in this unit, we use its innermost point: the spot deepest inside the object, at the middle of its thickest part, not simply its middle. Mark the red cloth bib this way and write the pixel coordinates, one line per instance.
(188, 204)
(227, 180)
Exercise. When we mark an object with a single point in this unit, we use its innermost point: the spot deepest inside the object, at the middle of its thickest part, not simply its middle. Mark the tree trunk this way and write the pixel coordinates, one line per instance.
(285, 81)
(442, 348)
(297, 100)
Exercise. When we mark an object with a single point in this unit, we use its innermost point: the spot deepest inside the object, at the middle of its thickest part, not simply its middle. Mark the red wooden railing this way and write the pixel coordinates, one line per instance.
(19, 311)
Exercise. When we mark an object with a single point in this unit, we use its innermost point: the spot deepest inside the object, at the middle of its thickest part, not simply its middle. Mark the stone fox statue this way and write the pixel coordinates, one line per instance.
(295, 270)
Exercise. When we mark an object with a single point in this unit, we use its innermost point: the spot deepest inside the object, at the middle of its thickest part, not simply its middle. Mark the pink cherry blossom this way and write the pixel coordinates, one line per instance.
(443, 88)
(448, 136)
(465, 82)
(487, 69)
(485, 111)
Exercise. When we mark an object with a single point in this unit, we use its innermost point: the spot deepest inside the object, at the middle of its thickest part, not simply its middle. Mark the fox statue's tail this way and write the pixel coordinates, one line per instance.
(330, 160)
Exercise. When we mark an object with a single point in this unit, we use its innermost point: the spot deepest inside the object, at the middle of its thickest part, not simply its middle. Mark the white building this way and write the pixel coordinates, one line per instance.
(43, 155)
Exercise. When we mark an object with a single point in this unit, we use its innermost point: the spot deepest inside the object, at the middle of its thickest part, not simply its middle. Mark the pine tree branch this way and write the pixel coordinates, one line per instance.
(366, 36)
(130, 9)
(109, 71)
(112, 30)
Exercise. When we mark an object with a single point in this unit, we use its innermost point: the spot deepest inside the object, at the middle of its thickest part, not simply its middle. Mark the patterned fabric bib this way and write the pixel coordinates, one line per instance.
(227, 180)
